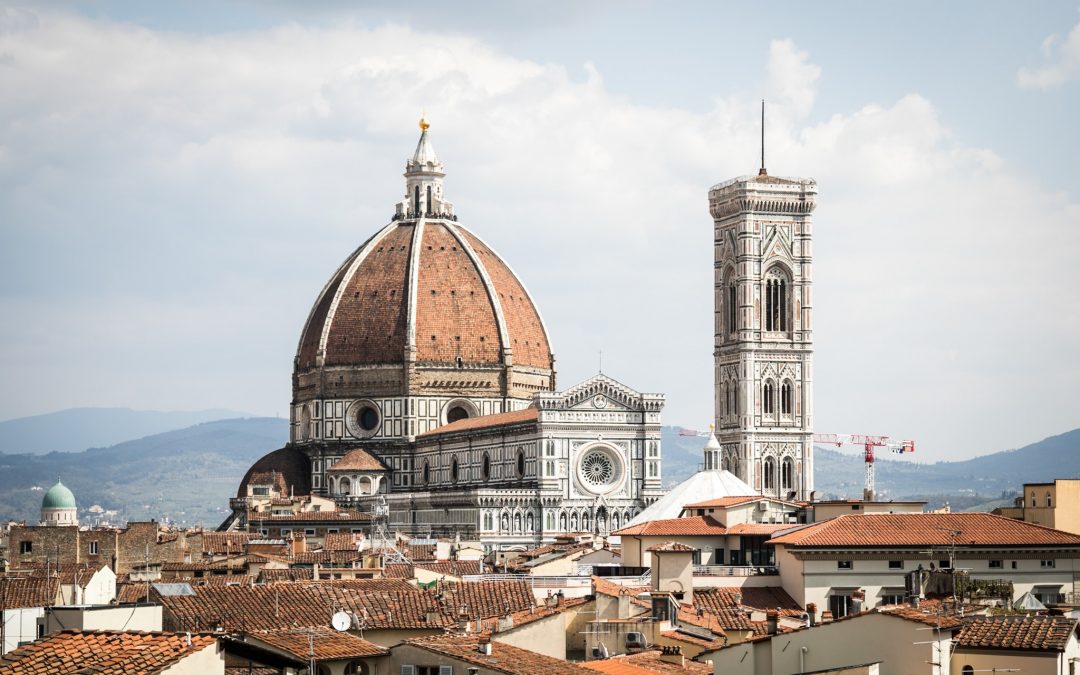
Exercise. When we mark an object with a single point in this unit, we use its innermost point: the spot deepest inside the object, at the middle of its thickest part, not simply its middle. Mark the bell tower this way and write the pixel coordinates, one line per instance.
(763, 303)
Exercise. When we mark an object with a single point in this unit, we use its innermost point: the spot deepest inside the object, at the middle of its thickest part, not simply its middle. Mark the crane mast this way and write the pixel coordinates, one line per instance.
(868, 443)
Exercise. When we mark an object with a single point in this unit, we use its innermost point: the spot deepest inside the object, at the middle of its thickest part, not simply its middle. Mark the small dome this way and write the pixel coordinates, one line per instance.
(58, 497)
(712, 443)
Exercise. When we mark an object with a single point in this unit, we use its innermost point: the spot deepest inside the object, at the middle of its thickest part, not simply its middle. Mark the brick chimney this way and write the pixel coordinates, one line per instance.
(811, 609)
(484, 645)
(772, 620)
(299, 543)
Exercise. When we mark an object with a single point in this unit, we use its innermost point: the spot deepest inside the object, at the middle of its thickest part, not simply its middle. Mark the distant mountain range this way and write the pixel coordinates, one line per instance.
(188, 474)
(978, 483)
(77, 429)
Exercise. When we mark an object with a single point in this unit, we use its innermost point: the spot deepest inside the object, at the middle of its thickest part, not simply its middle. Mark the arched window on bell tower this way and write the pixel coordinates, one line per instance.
(768, 402)
(786, 397)
(776, 301)
(731, 299)
(769, 477)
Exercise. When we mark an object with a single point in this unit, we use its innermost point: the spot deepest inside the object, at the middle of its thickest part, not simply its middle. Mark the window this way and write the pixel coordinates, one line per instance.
(776, 302)
(456, 413)
(310, 532)
(1049, 500)
(695, 557)
(26, 547)
(454, 470)
(844, 565)
(944, 564)
(332, 530)
(1033, 504)
(786, 398)
(551, 468)
(968, 670)
(485, 470)
(286, 532)
(896, 564)
(368, 418)
(768, 405)
(92, 548)
(840, 605)
(426, 473)
(770, 473)
(892, 597)
(996, 564)
(264, 532)
(316, 481)
(787, 472)
(732, 307)
(1046, 564)
(260, 491)
(520, 462)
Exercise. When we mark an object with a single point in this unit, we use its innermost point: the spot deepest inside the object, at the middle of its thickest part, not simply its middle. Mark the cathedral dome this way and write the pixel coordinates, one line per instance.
(58, 497)
(426, 291)
(422, 308)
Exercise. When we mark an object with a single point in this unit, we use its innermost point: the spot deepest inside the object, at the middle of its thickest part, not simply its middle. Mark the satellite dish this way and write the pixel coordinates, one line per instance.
(341, 621)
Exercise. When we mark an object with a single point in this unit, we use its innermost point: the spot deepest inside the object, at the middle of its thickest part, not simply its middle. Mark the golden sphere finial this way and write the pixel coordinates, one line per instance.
(711, 427)
(423, 122)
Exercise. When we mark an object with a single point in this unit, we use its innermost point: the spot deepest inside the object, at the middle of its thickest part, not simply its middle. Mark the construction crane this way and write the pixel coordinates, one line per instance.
(868, 443)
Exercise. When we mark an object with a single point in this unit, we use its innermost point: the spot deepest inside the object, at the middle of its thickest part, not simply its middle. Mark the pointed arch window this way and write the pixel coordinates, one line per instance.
(416, 200)
(776, 292)
(769, 474)
(787, 473)
(768, 398)
(427, 206)
(732, 314)
(786, 397)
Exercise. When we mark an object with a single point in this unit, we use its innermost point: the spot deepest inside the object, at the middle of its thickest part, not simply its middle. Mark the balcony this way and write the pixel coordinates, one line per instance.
(734, 571)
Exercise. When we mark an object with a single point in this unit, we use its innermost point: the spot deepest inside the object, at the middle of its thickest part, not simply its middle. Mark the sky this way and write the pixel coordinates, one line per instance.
(179, 180)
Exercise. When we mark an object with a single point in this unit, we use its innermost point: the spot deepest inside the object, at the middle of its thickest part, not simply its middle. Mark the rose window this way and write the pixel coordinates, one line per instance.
(597, 469)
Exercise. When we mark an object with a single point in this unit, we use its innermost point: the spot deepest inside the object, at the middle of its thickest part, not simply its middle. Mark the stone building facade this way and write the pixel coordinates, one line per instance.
(423, 327)
(763, 331)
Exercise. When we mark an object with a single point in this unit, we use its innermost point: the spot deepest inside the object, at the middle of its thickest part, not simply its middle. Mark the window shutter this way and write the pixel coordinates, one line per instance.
(408, 670)
(446, 670)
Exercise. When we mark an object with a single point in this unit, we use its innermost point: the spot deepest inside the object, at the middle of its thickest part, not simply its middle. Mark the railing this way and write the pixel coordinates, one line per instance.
(734, 571)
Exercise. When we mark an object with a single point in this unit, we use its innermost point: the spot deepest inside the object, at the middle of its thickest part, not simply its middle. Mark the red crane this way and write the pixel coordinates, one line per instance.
(868, 443)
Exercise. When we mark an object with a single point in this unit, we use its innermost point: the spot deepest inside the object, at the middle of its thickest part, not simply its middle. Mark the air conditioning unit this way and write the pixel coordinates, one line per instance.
(763, 506)
(635, 640)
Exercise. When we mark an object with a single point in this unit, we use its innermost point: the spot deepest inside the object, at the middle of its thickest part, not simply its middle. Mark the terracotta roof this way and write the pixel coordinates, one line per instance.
(486, 599)
(289, 605)
(695, 639)
(341, 541)
(761, 598)
(522, 416)
(758, 528)
(358, 460)
(342, 515)
(925, 614)
(924, 529)
(723, 502)
(504, 658)
(220, 543)
(646, 663)
(328, 644)
(454, 309)
(697, 525)
(1029, 633)
(68, 573)
(672, 547)
(131, 592)
(450, 568)
(715, 616)
(28, 591)
(103, 653)
(605, 587)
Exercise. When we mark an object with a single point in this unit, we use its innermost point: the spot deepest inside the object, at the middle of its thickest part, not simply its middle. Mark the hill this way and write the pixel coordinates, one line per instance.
(76, 429)
(187, 474)
(970, 483)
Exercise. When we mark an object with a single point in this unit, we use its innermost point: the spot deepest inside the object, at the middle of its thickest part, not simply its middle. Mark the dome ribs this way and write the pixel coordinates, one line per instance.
(452, 304)
(528, 336)
(369, 324)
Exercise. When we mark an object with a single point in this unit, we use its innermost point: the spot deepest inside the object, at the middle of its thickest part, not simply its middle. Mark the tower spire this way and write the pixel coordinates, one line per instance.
(762, 171)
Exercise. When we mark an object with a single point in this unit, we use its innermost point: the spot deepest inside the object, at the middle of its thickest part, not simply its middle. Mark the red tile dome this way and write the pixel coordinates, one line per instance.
(428, 292)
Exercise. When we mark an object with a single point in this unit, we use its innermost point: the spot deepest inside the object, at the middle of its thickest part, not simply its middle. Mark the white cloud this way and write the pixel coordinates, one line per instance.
(150, 181)
(792, 76)
(1062, 62)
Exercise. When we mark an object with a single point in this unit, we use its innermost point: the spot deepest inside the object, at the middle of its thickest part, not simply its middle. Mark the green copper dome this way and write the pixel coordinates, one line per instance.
(58, 497)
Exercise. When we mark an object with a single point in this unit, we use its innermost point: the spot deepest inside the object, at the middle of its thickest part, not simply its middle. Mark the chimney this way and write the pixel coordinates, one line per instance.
(299, 543)
(559, 597)
(484, 646)
(672, 654)
(772, 618)
(826, 616)
(432, 617)
(811, 609)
